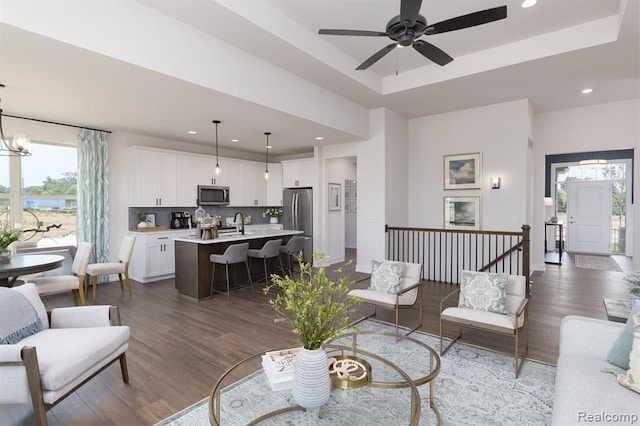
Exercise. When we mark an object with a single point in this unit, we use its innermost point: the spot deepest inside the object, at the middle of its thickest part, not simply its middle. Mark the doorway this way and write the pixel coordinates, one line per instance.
(350, 213)
(589, 217)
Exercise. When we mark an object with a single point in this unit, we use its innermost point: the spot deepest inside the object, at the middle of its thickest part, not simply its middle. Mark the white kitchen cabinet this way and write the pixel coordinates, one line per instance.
(298, 173)
(274, 185)
(153, 180)
(231, 176)
(153, 256)
(254, 186)
(193, 170)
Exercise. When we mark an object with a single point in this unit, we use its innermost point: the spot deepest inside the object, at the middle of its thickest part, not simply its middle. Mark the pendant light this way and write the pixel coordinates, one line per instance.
(593, 164)
(20, 146)
(266, 160)
(216, 122)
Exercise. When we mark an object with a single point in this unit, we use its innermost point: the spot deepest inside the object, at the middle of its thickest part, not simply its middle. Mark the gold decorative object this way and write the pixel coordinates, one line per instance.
(349, 372)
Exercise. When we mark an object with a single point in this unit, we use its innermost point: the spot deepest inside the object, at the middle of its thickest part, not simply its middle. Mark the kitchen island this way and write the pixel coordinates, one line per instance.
(193, 268)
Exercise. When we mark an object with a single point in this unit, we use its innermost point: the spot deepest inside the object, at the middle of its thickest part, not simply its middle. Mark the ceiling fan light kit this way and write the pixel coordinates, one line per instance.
(405, 30)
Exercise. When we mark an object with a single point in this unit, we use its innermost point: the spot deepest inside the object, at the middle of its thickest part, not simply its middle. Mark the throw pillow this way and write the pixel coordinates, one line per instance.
(386, 276)
(18, 317)
(483, 291)
(30, 291)
(619, 352)
(631, 380)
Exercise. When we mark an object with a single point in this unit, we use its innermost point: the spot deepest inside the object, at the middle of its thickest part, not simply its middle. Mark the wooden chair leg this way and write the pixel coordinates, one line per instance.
(123, 368)
(30, 358)
(121, 283)
(74, 294)
(126, 277)
(95, 289)
(81, 282)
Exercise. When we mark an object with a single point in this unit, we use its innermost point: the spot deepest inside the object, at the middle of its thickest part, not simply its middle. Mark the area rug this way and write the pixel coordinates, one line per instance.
(475, 386)
(603, 263)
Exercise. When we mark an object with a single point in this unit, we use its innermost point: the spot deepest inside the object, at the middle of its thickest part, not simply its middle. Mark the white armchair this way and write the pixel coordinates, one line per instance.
(510, 323)
(408, 294)
(47, 366)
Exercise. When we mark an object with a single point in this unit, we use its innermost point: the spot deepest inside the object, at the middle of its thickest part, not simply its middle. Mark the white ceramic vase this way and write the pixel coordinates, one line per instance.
(311, 382)
(273, 219)
(142, 224)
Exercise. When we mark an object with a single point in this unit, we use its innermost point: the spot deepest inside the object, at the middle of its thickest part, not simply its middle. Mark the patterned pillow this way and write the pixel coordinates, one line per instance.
(386, 276)
(483, 291)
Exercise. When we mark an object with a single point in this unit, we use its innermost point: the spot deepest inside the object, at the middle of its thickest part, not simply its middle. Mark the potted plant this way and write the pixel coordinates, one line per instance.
(633, 282)
(142, 219)
(317, 309)
(274, 213)
(7, 236)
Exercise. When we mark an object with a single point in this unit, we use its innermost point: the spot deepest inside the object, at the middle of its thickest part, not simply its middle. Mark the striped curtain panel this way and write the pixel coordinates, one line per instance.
(93, 194)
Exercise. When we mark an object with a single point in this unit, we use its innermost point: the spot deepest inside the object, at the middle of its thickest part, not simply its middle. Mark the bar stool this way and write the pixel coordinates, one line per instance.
(235, 253)
(292, 249)
(269, 250)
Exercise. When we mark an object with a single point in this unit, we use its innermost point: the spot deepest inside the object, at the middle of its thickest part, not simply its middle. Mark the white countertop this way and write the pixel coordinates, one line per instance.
(248, 235)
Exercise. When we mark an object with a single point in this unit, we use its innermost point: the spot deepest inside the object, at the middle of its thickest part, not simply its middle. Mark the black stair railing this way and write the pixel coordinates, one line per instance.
(444, 253)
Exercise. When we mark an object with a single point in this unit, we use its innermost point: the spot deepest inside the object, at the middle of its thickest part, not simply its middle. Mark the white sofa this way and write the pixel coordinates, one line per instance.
(586, 391)
(49, 365)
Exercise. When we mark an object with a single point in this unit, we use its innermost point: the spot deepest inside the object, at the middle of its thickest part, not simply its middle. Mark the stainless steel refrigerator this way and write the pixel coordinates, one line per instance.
(297, 214)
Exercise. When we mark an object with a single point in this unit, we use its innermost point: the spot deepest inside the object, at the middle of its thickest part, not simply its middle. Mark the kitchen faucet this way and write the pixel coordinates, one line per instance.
(235, 219)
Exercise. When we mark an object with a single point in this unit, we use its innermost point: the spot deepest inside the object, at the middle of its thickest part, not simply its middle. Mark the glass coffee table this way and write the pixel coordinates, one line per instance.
(399, 365)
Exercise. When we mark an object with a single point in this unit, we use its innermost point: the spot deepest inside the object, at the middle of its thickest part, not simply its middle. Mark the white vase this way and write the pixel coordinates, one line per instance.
(142, 225)
(273, 219)
(311, 382)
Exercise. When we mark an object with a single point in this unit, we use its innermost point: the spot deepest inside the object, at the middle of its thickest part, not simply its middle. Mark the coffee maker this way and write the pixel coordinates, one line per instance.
(180, 220)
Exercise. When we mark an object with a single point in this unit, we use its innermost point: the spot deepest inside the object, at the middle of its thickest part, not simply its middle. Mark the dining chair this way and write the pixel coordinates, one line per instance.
(292, 250)
(120, 267)
(269, 250)
(73, 282)
(235, 253)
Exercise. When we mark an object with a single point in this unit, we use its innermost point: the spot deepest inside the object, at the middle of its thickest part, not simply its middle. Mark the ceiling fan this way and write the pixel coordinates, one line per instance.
(406, 28)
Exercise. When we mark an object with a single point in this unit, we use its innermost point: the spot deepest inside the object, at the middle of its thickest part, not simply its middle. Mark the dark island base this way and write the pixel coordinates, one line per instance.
(193, 268)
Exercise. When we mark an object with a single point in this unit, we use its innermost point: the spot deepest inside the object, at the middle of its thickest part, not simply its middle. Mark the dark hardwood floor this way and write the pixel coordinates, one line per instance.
(178, 348)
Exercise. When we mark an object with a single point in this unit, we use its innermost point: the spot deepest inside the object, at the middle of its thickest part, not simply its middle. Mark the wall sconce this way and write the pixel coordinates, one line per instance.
(495, 183)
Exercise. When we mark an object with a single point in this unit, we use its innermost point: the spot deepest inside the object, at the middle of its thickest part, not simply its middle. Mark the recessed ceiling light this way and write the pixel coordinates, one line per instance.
(234, 140)
(587, 91)
(529, 3)
(319, 138)
(192, 132)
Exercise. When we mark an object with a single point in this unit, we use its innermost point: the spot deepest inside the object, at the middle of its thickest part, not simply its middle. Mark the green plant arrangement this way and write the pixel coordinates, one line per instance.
(8, 236)
(316, 306)
(633, 282)
(273, 212)
(142, 216)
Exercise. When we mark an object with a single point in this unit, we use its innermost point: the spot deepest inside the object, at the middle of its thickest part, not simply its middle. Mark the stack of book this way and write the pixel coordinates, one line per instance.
(278, 367)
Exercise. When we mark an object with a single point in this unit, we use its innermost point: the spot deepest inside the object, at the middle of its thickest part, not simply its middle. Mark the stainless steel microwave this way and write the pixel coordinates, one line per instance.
(213, 195)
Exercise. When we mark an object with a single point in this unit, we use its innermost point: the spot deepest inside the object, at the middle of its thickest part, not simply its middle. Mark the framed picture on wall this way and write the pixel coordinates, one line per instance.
(462, 213)
(463, 171)
(334, 196)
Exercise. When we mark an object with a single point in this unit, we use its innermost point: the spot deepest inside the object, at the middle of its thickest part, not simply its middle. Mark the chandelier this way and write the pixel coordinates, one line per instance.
(19, 146)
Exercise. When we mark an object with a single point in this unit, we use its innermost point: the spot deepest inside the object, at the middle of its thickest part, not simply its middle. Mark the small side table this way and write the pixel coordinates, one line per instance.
(617, 309)
(553, 249)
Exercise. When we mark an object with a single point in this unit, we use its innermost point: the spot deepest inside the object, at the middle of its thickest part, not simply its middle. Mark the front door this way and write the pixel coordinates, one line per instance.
(589, 217)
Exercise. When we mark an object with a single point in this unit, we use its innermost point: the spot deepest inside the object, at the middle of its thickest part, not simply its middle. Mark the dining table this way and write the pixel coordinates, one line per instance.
(25, 264)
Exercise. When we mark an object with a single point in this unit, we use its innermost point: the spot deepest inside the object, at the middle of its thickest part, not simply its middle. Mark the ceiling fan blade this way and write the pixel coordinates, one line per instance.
(409, 10)
(470, 20)
(377, 56)
(352, 33)
(432, 53)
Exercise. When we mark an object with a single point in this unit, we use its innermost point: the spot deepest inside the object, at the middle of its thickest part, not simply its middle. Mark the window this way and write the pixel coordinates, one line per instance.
(45, 200)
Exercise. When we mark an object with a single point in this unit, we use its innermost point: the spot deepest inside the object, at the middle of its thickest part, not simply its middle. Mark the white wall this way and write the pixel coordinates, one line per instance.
(600, 127)
(501, 133)
(396, 171)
